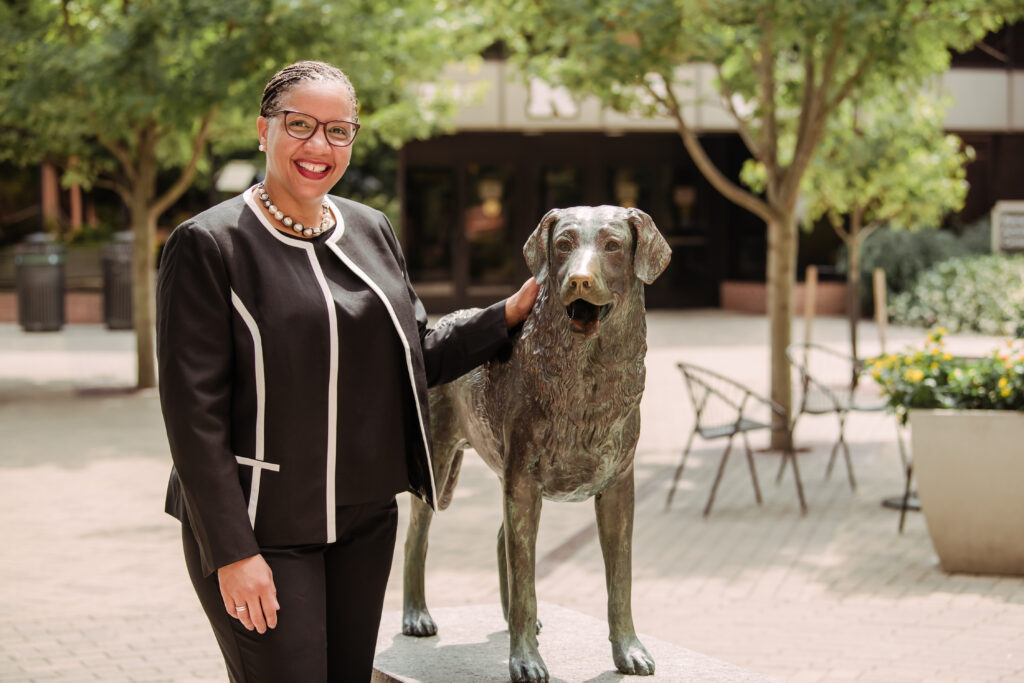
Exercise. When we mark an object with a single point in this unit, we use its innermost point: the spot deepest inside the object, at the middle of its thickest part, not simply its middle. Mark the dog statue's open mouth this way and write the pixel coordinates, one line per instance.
(586, 317)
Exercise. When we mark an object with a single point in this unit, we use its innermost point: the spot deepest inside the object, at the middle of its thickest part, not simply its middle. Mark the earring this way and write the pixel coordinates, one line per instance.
(262, 148)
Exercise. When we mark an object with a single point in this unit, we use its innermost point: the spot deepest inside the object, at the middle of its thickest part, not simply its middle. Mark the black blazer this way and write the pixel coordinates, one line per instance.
(248, 358)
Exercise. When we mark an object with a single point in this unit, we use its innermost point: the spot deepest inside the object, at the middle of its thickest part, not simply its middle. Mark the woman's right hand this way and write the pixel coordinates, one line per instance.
(249, 583)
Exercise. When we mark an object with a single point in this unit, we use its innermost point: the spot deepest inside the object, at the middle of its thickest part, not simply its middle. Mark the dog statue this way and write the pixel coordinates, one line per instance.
(559, 420)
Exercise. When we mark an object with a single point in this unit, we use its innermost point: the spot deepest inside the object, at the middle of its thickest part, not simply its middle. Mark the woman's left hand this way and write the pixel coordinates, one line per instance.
(519, 305)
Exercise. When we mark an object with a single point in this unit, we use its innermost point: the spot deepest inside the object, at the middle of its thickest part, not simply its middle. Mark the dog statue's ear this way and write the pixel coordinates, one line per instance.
(536, 248)
(652, 254)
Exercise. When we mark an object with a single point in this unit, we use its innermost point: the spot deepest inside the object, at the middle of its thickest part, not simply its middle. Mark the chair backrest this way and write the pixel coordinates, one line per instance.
(826, 374)
(719, 401)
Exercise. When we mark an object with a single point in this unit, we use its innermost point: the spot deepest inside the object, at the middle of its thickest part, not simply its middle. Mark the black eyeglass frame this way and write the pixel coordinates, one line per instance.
(319, 123)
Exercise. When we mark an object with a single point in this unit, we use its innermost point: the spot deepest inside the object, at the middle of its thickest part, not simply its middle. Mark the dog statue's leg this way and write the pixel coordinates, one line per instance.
(614, 508)
(416, 620)
(503, 576)
(522, 515)
(502, 572)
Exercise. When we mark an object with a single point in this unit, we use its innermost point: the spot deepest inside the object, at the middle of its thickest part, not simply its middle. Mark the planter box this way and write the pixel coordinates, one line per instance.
(752, 297)
(969, 466)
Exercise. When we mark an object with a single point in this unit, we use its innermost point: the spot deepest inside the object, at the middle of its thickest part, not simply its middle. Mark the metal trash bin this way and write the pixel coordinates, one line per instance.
(39, 279)
(117, 282)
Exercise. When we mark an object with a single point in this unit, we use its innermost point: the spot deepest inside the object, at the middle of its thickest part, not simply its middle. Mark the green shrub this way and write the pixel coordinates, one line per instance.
(91, 234)
(976, 238)
(976, 293)
(902, 254)
(905, 254)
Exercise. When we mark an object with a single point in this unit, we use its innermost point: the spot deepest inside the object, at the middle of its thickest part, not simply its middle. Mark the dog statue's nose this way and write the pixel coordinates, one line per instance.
(581, 282)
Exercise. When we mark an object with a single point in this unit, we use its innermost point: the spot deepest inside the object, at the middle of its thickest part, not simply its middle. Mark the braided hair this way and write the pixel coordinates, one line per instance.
(300, 72)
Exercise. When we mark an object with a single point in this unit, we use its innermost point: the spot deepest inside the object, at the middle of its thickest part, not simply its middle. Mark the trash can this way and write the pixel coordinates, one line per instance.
(39, 280)
(117, 282)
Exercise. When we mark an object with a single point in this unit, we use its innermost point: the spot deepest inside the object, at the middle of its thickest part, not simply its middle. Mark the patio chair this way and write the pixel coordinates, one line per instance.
(724, 408)
(834, 382)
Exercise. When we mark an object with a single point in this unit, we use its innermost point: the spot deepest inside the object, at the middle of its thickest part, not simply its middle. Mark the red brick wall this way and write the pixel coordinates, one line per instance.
(79, 307)
(751, 297)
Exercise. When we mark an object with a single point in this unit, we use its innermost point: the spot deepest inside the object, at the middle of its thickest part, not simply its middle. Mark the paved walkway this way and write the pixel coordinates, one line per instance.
(93, 587)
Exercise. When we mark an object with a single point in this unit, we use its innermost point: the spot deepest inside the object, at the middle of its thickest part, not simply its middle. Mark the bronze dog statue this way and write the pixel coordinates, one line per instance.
(558, 420)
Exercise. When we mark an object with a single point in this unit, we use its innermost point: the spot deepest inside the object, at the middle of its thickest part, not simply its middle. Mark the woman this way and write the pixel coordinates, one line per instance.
(294, 361)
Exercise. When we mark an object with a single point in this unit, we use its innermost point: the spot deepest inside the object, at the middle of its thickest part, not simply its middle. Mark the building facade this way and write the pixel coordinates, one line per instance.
(470, 199)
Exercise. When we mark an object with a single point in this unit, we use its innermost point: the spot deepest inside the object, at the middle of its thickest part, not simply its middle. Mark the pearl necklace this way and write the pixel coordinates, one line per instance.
(288, 222)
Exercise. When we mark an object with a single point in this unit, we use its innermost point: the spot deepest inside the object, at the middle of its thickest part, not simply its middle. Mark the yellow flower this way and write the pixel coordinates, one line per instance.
(1006, 392)
(947, 356)
(1003, 382)
(934, 366)
(914, 375)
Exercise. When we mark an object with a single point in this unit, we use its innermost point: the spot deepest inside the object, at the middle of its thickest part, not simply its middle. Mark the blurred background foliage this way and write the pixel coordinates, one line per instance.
(88, 85)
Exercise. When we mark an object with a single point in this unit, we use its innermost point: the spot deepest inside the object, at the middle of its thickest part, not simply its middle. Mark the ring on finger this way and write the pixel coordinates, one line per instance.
(243, 608)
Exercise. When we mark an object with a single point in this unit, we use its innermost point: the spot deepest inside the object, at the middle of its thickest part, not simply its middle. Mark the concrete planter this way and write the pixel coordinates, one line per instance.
(969, 466)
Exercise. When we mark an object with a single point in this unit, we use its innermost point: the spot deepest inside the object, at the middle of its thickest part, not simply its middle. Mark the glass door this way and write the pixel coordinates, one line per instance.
(428, 231)
(488, 219)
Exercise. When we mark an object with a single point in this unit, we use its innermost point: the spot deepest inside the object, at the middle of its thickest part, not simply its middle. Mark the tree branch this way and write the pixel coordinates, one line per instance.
(746, 134)
(122, 155)
(767, 88)
(866, 231)
(836, 221)
(164, 201)
(120, 188)
(730, 190)
(809, 129)
(858, 73)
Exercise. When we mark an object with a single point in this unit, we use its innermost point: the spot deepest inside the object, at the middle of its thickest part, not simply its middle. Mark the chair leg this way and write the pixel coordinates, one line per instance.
(908, 473)
(791, 455)
(832, 460)
(718, 478)
(841, 442)
(782, 465)
(849, 466)
(899, 442)
(906, 496)
(753, 470)
(679, 470)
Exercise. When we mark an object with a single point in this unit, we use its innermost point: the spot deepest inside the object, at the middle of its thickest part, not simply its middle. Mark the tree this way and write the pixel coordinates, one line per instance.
(886, 161)
(135, 90)
(784, 67)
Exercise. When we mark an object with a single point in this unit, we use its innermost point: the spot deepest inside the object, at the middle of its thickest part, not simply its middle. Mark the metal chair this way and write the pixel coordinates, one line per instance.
(725, 408)
(833, 382)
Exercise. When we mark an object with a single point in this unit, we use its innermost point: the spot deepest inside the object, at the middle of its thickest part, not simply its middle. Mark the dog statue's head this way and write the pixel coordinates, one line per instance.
(592, 257)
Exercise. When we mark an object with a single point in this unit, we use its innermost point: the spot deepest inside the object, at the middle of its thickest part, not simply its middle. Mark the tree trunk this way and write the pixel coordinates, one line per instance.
(853, 291)
(143, 268)
(782, 244)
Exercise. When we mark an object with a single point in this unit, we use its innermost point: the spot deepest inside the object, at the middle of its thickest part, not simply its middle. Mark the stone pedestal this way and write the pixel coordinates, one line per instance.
(472, 646)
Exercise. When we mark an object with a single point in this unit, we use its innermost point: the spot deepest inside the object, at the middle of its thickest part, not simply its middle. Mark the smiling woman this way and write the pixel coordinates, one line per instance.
(294, 362)
(302, 165)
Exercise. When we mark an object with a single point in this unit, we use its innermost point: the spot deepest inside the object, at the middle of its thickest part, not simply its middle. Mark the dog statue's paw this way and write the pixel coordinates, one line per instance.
(418, 622)
(631, 657)
(527, 667)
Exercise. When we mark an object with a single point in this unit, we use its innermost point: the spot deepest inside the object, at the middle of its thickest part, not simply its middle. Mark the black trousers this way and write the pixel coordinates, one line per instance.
(331, 597)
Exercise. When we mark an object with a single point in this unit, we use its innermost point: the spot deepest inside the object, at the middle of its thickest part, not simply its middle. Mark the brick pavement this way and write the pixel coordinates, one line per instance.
(93, 586)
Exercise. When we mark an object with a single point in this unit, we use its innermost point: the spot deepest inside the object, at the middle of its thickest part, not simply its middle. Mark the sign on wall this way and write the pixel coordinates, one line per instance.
(1008, 226)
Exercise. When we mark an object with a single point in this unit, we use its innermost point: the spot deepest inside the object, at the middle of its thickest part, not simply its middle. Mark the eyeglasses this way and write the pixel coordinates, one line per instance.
(303, 126)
